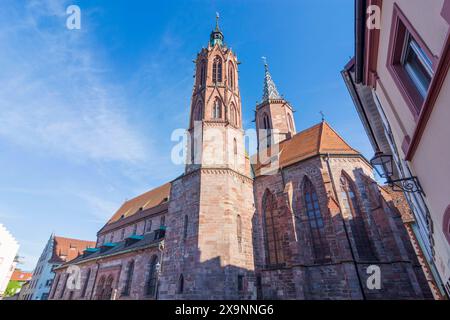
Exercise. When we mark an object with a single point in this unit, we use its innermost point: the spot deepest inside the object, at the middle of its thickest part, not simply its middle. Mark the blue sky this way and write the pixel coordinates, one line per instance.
(86, 115)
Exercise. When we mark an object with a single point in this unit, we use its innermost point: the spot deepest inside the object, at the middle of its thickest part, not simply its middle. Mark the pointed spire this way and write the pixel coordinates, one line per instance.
(270, 90)
(217, 22)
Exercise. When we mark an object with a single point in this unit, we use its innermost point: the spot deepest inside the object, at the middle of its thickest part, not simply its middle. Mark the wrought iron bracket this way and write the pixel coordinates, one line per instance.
(410, 185)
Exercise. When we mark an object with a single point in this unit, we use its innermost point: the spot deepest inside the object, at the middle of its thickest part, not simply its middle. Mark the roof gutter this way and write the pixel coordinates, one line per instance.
(360, 38)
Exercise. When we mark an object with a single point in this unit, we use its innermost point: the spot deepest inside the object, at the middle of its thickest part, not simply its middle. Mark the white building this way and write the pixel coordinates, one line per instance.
(57, 251)
(8, 252)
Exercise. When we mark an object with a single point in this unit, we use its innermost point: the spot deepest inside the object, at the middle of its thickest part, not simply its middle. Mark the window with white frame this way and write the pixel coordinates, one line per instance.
(417, 65)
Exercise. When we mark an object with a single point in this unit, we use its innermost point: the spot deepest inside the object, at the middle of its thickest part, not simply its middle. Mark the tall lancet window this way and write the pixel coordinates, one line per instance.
(352, 208)
(217, 109)
(129, 278)
(274, 250)
(202, 73)
(235, 152)
(217, 70)
(315, 221)
(231, 75)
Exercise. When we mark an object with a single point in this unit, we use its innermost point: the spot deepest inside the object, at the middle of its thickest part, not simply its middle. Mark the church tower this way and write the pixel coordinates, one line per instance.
(215, 127)
(208, 250)
(274, 115)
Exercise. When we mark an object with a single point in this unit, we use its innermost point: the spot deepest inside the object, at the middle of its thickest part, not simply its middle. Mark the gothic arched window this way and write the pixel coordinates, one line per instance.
(217, 109)
(352, 208)
(315, 221)
(152, 277)
(86, 282)
(217, 70)
(100, 288)
(129, 278)
(202, 73)
(266, 122)
(231, 75)
(108, 289)
(274, 251)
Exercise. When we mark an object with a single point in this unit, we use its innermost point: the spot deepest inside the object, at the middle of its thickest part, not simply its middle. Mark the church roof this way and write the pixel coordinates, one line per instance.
(66, 249)
(270, 91)
(147, 200)
(317, 140)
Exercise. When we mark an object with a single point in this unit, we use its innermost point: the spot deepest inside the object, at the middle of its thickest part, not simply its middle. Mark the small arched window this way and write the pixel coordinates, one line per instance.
(231, 75)
(151, 279)
(181, 284)
(129, 278)
(315, 221)
(86, 283)
(217, 109)
(186, 224)
(217, 70)
(357, 225)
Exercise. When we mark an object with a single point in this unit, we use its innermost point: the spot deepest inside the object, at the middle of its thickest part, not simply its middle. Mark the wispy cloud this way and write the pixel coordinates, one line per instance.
(54, 94)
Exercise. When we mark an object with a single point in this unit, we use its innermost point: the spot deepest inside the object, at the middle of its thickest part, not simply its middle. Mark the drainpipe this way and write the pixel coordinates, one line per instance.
(161, 254)
(327, 160)
(360, 23)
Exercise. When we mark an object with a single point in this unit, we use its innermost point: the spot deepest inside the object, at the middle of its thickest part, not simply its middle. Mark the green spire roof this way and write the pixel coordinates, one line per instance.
(216, 35)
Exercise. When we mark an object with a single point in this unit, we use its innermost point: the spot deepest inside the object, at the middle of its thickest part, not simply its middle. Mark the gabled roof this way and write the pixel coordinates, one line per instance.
(66, 249)
(147, 200)
(317, 140)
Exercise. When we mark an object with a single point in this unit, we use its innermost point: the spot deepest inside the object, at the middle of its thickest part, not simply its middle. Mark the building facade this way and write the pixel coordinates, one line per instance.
(302, 219)
(8, 252)
(57, 251)
(400, 85)
(16, 283)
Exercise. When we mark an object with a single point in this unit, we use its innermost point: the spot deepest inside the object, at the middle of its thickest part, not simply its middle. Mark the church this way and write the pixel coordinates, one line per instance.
(302, 219)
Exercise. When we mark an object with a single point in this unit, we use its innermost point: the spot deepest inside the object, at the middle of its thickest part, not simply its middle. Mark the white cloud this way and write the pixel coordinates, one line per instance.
(54, 92)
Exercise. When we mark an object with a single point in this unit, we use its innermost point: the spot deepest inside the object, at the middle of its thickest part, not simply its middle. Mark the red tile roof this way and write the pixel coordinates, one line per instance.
(66, 249)
(147, 200)
(19, 275)
(319, 139)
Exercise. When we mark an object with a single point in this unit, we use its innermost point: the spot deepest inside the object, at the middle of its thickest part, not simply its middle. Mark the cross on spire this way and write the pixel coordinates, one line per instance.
(323, 116)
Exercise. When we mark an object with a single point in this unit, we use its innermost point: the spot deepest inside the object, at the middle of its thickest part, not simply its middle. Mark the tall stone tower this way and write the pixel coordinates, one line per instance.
(274, 115)
(209, 250)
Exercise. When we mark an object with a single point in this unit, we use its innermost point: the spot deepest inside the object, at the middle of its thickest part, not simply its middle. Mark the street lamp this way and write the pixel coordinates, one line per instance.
(384, 165)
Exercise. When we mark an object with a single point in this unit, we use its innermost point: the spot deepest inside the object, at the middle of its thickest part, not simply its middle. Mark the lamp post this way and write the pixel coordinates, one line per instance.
(384, 166)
